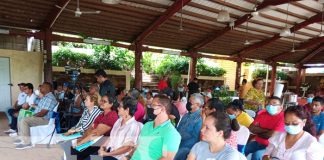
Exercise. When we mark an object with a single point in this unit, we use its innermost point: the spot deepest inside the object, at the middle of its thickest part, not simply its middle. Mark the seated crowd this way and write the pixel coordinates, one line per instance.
(166, 126)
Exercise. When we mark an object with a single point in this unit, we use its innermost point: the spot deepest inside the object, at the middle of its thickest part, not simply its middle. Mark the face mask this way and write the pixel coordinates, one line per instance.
(36, 92)
(188, 106)
(272, 110)
(292, 129)
(309, 100)
(157, 111)
(232, 116)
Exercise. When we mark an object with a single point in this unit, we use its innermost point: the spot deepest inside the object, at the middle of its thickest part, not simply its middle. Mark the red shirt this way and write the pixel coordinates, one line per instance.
(162, 85)
(139, 114)
(108, 119)
(267, 121)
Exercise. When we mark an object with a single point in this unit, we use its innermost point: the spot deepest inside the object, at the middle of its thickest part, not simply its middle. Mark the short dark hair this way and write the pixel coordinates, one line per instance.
(131, 104)
(30, 86)
(275, 98)
(217, 104)
(319, 99)
(244, 81)
(222, 122)
(119, 91)
(101, 72)
(48, 84)
(165, 101)
(254, 82)
(236, 105)
(135, 93)
(22, 84)
(113, 101)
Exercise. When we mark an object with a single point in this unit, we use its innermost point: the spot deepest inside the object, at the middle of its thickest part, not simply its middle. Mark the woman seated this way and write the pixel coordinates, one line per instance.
(236, 110)
(216, 129)
(102, 125)
(298, 142)
(124, 134)
(216, 105)
(89, 114)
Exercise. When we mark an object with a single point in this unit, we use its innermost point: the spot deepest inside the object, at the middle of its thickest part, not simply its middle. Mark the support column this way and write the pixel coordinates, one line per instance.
(193, 64)
(238, 74)
(299, 79)
(138, 65)
(48, 71)
(273, 77)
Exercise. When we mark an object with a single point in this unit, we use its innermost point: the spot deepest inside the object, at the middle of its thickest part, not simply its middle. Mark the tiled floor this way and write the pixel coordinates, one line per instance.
(39, 152)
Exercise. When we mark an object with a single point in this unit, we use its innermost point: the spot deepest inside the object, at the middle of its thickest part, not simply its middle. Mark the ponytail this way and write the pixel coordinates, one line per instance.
(235, 126)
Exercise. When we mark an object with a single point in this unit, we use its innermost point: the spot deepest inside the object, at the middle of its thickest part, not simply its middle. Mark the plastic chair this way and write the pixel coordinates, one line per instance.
(242, 137)
(250, 113)
(44, 134)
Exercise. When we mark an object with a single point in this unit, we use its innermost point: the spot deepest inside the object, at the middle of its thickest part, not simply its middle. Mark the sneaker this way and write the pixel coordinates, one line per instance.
(10, 131)
(18, 141)
(13, 134)
(23, 146)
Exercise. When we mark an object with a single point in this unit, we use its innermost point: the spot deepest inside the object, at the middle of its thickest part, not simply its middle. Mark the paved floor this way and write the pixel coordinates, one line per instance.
(39, 152)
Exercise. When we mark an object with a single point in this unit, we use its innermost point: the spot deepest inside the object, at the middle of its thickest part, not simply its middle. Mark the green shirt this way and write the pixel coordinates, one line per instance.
(154, 141)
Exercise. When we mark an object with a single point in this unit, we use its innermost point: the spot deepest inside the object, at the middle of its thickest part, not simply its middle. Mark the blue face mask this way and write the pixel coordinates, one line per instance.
(309, 100)
(292, 129)
(232, 116)
(272, 110)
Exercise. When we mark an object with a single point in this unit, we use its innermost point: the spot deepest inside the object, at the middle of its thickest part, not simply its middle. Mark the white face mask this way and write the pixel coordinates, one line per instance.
(36, 92)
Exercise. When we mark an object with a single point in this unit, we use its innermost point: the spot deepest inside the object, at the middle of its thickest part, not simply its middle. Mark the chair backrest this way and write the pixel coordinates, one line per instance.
(56, 107)
(250, 113)
(243, 135)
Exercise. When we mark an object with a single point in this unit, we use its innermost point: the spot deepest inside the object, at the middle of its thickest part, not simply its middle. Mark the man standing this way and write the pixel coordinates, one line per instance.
(193, 87)
(106, 87)
(265, 125)
(41, 116)
(189, 126)
(13, 112)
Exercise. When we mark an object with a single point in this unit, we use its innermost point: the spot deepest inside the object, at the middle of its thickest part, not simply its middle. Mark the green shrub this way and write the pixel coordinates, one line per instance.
(262, 73)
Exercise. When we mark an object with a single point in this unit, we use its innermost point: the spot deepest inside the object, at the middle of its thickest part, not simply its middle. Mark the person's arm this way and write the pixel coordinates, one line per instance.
(191, 156)
(94, 133)
(267, 134)
(15, 105)
(42, 113)
(93, 116)
(118, 151)
(257, 129)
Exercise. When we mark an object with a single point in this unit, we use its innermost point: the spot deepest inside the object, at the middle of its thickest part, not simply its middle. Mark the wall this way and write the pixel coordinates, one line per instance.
(24, 67)
(230, 68)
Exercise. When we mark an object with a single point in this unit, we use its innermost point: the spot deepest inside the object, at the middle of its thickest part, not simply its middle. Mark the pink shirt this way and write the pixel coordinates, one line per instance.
(181, 106)
(267, 121)
(139, 114)
(232, 140)
(124, 135)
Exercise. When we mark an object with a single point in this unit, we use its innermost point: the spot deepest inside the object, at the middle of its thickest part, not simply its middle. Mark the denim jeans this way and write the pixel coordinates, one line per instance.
(256, 149)
(182, 153)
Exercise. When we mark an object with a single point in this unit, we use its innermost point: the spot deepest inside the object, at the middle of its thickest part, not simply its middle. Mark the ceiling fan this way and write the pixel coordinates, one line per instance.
(293, 50)
(247, 41)
(77, 12)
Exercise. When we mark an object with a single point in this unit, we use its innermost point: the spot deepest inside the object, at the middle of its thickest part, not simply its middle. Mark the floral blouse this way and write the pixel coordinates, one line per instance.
(255, 95)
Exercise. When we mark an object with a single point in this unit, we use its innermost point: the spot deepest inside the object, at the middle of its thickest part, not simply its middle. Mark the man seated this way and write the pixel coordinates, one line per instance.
(318, 115)
(265, 125)
(158, 139)
(189, 126)
(13, 112)
(140, 112)
(308, 105)
(41, 116)
(31, 97)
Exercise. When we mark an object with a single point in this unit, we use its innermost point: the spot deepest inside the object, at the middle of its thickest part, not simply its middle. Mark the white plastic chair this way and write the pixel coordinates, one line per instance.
(250, 113)
(242, 137)
(321, 139)
(43, 134)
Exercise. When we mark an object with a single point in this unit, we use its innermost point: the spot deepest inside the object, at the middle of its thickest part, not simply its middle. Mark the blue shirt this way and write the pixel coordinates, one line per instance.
(319, 122)
(189, 129)
(48, 102)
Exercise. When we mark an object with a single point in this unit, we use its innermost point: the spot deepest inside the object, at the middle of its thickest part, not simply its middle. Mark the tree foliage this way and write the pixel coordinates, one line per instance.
(262, 73)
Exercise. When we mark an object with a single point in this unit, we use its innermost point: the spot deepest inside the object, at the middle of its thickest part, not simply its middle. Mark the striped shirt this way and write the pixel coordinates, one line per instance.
(87, 118)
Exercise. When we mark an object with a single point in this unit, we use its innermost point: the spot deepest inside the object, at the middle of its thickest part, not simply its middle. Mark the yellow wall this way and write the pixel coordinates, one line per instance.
(24, 67)
(230, 68)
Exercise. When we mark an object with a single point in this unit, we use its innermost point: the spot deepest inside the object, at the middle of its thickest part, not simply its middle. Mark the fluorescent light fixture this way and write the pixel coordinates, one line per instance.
(110, 1)
(285, 32)
(4, 31)
(100, 42)
(223, 16)
(171, 52)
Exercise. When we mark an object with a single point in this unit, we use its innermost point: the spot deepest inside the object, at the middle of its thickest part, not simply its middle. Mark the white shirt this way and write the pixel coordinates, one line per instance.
(124, 135)
(21, 98)
(30, 100)
(306, 148)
